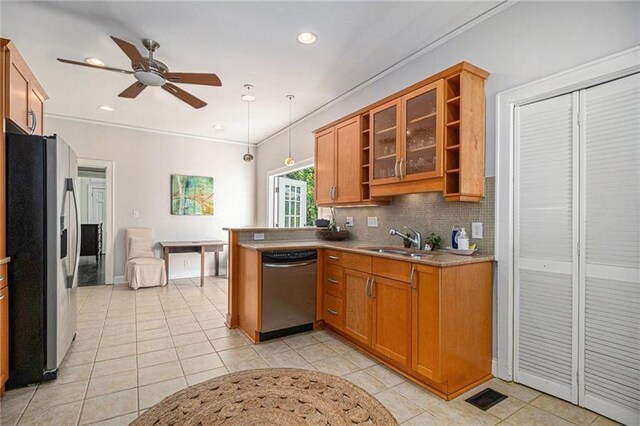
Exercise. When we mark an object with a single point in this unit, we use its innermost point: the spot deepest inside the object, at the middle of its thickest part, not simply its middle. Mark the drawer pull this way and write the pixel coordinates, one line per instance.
(1, 278)
(332, 280)
(333, 257)
(332, 312)
(1, 296)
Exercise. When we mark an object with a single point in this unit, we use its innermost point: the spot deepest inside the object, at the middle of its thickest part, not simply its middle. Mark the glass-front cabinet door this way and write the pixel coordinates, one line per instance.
(422, 124)
(385, 143)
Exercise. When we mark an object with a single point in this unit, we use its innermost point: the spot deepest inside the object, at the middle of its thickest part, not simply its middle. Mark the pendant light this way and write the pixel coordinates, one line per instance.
(248, 98)
(289, 161)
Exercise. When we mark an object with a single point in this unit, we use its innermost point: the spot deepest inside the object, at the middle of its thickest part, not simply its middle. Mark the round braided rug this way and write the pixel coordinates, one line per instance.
(274, 396)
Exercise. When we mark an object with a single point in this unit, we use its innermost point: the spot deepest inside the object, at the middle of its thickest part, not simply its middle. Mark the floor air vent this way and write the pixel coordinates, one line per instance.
(486, 399)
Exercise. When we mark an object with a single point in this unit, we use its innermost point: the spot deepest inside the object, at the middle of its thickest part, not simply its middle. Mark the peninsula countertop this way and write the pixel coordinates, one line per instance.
(434, 258)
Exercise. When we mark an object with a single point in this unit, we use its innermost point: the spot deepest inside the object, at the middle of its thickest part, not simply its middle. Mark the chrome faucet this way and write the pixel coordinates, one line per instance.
(415, 239)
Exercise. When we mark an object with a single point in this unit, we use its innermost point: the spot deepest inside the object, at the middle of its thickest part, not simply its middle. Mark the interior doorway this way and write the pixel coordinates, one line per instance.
(95, 200)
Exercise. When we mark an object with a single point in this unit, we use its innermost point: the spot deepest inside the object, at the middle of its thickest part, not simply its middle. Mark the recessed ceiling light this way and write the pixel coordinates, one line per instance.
(218, 126)
(94, 61)
(307, 38)
(106, 108)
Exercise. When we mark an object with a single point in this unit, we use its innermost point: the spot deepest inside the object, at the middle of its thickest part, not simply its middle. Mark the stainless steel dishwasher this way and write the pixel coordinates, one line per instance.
(288, 292)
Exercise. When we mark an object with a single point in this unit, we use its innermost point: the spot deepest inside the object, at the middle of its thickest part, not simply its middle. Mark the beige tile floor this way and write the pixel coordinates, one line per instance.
(135, 348)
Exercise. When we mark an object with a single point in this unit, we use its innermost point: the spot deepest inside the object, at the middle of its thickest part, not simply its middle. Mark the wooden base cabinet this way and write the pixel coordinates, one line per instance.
(4, 336)
(357, 310)
(429, 323)
(392, 320)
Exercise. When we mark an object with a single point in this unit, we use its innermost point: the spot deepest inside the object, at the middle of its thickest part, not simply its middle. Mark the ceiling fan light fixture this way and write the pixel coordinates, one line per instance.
(105, 108)
(94, 61)
(289, 161)
(149, 78)
(307, 38)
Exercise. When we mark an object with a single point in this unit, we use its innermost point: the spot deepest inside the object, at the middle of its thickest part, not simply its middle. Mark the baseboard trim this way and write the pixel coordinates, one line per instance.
(119, 279)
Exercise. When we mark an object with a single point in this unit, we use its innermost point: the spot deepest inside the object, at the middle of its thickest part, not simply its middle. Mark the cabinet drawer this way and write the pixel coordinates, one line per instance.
(333, 257)
(394, 269)
(357, 262)
(333, 310)
(333, 280)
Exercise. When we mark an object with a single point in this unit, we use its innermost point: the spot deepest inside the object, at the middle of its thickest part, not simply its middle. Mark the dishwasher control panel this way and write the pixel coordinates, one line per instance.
(289, 256)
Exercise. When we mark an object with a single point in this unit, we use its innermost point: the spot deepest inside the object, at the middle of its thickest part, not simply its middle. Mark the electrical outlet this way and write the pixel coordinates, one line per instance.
(258, 237)
(476, 230)
(372, 222)
(187, 263)
(135, 214)
(349, 221)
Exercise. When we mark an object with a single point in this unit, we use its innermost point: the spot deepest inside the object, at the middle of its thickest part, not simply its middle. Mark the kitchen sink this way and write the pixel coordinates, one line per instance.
(414, 254)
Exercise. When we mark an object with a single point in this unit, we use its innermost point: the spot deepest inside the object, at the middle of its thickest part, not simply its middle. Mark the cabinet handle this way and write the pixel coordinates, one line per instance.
(412, 279)
(333, 257)
(395, 169)
(1, 278)
(1, 296)
(400, 168)
(332, 280)
(369, 287)
(373, 283)
(332, 312)
(34, 121)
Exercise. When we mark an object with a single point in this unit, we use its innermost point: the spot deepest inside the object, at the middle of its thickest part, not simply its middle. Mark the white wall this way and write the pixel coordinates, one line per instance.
(525, 42)
(144, 162)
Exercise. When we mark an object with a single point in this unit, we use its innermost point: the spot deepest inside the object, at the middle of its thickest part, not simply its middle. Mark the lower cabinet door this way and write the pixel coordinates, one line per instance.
(357, 309)
(425, 329)
(392, 320)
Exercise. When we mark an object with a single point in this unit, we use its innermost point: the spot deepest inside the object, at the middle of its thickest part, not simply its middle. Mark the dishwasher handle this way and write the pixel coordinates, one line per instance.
(289, 265)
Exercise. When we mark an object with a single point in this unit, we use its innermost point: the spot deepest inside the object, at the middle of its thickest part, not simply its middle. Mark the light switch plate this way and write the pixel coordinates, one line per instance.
(476, 230)
(258, 237)
(135, 214)
(372, 222)
(349, 221)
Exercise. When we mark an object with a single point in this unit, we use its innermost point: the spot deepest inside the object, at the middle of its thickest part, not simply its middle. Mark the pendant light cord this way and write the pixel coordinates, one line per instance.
(290, 98)
(248, 123)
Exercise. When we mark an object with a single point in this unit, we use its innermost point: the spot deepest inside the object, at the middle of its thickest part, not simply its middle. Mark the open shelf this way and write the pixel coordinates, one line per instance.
(453, 87)
(455, 100)
(365, 131)
(453, 147)
(366, 148)
(455, 123)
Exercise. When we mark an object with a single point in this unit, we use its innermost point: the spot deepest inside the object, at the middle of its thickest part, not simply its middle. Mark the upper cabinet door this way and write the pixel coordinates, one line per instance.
(325, 158)
(348, 161)
(422, 128)
(18, 94)
(385, 143)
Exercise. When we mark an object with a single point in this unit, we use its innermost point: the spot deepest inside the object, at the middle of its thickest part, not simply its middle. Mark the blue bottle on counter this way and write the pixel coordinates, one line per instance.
(454, 237)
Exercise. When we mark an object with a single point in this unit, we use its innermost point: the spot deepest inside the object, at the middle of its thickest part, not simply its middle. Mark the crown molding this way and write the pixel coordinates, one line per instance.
(144, 129)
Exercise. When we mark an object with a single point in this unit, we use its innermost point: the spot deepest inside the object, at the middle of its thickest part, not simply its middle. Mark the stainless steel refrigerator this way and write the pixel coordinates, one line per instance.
(43, 240)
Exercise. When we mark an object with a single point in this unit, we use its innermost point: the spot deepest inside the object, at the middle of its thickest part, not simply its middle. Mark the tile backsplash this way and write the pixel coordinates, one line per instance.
(427, 213)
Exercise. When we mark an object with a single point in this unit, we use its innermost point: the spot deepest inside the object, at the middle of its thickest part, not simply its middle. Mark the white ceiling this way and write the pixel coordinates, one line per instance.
(243, 42)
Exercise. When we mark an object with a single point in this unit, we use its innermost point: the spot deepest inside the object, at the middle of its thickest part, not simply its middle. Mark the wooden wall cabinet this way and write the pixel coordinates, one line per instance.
(427, 137)
(339, 163)
(24, 97)
(431, 324)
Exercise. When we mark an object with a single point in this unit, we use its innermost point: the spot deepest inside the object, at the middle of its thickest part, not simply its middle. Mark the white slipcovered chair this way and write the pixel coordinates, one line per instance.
(143, 268)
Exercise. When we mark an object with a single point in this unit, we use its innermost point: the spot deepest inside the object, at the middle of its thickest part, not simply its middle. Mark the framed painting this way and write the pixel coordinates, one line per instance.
(191, 195)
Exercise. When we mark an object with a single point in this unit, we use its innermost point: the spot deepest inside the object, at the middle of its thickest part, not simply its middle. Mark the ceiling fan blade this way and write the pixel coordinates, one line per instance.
(193, 78)
(132, 91)
(84, 64)
(184, 96)
(132, 52)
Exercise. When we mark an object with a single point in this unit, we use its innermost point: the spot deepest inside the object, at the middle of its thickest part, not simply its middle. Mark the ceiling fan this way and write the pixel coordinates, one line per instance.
(151, 72)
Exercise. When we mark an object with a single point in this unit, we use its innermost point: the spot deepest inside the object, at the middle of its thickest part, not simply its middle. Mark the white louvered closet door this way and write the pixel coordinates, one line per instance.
(610, 244)
(546, 264)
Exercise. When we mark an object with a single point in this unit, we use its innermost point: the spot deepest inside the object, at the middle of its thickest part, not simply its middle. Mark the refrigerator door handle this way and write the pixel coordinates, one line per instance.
(76, 262)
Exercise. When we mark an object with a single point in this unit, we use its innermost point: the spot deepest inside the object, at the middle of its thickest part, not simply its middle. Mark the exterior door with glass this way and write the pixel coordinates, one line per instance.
(292, 203)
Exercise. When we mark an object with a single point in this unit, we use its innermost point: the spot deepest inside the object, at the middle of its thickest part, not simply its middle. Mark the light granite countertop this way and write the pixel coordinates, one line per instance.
(435, 258)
